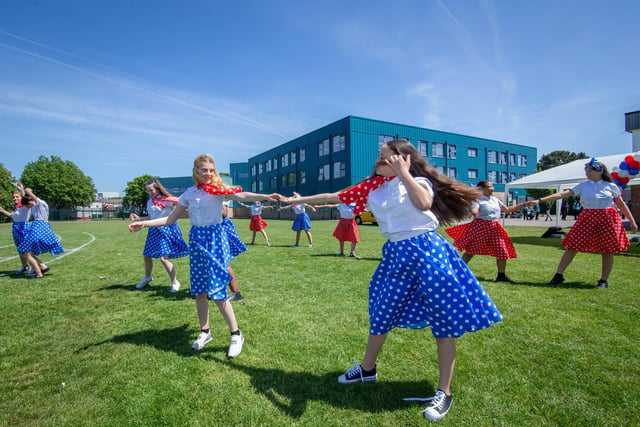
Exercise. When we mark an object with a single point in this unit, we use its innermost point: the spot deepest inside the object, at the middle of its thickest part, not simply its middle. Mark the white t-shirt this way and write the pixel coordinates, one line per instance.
(21, 214)
(256, 209)
(489, 207)
(397, 217)
(157, 211)
(40, 210)
(346, 211)
(204, 208)
(596, 194)
(299, 208)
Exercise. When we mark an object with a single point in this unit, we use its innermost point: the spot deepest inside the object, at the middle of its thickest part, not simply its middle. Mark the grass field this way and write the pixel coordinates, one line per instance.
(563, 356)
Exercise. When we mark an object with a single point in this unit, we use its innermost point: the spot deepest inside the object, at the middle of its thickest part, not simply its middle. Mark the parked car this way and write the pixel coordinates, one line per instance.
(366, 216)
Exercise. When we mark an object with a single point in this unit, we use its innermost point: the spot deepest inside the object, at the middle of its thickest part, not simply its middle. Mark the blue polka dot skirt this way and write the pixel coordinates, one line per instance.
(422, 282)
(19, 230)
(209, 257)
(165, 240)
(236, 245)
(40, 239)
(301, 222)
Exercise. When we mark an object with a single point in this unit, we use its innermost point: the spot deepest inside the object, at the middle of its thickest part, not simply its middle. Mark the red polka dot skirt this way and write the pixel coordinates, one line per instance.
(347, 231)
(482, 237)
(597, 230)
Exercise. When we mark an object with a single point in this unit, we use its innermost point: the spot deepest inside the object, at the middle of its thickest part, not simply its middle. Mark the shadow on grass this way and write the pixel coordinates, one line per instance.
(291, 391)
(333, 255)
(176, 340)
(158, 291)
(565, 285)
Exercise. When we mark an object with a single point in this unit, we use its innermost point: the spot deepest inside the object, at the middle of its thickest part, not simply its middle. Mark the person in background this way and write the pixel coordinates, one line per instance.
(576, 208)
(547, 210)
(485, 235)
(599, 226)
(564, 210)
(20, 229)
(347, 229)
(209, 251)
(257, 224)
(40, 238)
(164, 242)
(421, 280)
(301, 222)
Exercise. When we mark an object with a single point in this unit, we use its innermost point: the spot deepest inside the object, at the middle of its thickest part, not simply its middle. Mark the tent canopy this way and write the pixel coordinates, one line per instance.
(566, 176)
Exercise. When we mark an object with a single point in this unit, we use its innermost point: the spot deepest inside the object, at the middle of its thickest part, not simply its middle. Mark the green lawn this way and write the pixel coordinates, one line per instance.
(565, 355)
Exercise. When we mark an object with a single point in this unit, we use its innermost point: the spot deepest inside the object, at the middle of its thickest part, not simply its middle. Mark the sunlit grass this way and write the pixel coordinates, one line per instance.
(564, 355)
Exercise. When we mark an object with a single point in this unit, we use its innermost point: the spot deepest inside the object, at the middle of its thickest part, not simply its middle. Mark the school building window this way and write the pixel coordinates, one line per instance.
(440, 169)
(303, 154)
(422, 147)
(268, 167)
(383, 139)
(492, 156)
(273, 182)
(284, 160)
(303, 176)
(522, 161)
(338, 143)
(323, 148)
(291, 178)
(323, 173)
(452, 173)
(512, 159)
(492, 176)
(451, 151)
(260, 167)
(339, 169)
(472, 173)
(437, 149)
(503, 158)
(503, 177)
(293, 157)
(472, 152)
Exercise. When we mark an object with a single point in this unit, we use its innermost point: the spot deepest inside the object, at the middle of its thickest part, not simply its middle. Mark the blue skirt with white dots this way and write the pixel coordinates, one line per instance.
(422, 282)
(209, 257)
(165, 241)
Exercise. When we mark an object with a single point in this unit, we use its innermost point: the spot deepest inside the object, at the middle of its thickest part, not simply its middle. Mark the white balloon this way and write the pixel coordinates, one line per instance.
(636, 156)
(623, 173)
(615, 169)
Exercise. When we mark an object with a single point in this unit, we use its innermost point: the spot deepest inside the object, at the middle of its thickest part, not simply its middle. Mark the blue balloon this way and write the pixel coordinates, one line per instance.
(633, 171)
(624, 165)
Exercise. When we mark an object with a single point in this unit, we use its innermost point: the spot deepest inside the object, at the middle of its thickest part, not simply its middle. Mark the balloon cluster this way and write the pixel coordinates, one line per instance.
(628, 168)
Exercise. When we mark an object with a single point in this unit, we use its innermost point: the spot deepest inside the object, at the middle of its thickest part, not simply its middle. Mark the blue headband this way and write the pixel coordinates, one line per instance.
(594, 164)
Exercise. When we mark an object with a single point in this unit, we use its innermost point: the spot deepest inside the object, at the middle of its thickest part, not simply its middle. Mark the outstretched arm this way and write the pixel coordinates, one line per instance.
(167, 220)
(3, 211)
(29, 192)
(314, 200)
(246, 196)
(554, 196)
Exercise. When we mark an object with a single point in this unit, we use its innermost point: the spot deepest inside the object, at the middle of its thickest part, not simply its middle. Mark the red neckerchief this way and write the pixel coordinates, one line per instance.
(214, 189)
(156, 200)
(359, 193)
(18, 206)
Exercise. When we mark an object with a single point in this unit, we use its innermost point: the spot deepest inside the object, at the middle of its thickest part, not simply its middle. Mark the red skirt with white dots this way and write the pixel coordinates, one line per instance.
(483, 237)
(597, 230)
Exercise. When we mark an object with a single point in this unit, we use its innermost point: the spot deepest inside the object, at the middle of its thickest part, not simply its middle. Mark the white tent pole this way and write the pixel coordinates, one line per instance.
(558, 205)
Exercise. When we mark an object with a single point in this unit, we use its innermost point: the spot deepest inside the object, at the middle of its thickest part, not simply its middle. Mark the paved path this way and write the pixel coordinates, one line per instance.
(568, 223)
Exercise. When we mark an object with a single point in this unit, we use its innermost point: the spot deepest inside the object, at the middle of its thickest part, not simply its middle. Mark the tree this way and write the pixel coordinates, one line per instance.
(7, 187)
(557, 158)
(136, 194)
(61, 183)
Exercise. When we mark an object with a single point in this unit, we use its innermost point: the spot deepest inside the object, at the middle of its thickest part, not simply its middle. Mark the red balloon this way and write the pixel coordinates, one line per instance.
(623, 180)
(634, 164)
(629, 159)
(615, 175)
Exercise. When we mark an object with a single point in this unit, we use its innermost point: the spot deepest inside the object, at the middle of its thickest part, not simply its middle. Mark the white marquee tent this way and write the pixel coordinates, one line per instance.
(566, 176)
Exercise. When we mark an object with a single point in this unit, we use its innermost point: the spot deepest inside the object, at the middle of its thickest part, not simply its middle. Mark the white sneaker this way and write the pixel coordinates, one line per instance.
(235, 348)
(268, 243)
(175, 286)
(203, 339)
(310, 245)
(144, 282)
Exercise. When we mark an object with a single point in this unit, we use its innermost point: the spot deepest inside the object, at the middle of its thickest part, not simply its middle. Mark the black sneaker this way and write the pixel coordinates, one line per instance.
(356, 374)
(439, 406)
(602, 284)
(557, 279)
(503, 278)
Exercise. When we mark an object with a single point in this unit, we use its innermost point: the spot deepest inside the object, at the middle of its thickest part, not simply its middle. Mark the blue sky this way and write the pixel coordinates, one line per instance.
(126, 88)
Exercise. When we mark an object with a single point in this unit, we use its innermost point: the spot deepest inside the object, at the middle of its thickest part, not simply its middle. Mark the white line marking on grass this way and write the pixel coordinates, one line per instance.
(64, 254)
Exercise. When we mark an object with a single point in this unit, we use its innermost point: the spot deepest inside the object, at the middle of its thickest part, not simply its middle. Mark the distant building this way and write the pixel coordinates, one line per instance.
(343, 153)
